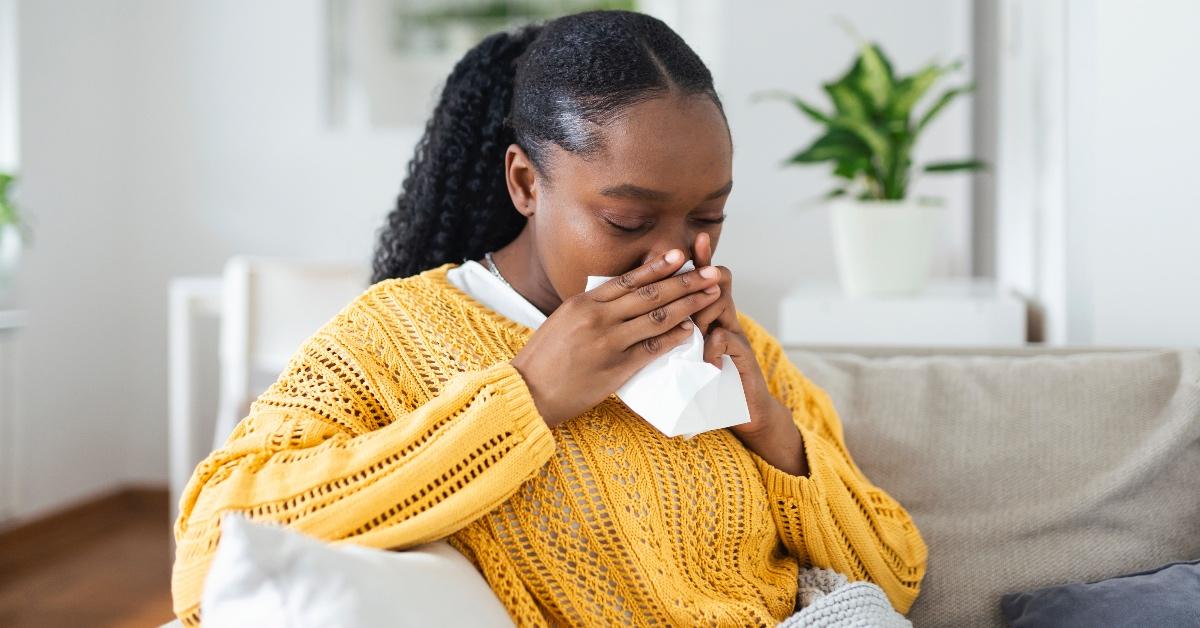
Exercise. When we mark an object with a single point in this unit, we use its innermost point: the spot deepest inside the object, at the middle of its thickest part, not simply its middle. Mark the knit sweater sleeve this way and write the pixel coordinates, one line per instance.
(342, 447)
(834, 517)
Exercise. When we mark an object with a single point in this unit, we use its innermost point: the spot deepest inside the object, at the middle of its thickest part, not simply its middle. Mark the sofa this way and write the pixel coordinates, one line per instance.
(1024, 468)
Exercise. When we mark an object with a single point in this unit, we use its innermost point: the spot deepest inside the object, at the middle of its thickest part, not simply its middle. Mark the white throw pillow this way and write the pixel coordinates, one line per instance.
(269, 575)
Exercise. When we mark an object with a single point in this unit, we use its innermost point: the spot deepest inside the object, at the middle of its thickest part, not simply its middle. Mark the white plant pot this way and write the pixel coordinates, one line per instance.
(884, 248)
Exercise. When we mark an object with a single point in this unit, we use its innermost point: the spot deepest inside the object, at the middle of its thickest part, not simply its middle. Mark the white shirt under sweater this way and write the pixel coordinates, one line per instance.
(478, 281)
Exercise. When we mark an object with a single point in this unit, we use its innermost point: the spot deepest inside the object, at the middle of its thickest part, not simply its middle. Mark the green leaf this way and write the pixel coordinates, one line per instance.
(835, 145)
(870, 136)
(945, 99)
(873, 76)
(8, 212)
(809, 110)
(834, 193)
(954, 166)
(846, 100)
(910, 89)
(850, 168)
(864, 89)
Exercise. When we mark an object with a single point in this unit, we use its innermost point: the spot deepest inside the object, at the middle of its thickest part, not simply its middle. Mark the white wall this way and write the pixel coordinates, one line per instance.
(1097, 212)
(158, 138)
(231, 149)
(76, 382)
(1143, 209)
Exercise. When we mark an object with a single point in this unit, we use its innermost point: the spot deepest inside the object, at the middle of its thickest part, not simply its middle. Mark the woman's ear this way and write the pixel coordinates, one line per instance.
(521, 176)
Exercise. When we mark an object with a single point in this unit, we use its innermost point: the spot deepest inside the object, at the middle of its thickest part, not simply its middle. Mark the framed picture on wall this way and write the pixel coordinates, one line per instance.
(387, 59)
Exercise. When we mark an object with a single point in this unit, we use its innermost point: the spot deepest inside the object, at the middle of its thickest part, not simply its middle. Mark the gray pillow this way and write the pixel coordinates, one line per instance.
(1165, 596)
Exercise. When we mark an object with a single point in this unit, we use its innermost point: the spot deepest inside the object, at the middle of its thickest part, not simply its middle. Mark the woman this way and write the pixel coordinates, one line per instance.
(427, 410)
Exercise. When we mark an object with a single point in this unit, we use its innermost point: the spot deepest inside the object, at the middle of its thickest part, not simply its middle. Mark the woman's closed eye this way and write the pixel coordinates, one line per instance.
(627, 227)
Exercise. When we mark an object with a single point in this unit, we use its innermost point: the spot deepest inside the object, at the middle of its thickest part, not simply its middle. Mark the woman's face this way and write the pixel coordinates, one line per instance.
(662, 176)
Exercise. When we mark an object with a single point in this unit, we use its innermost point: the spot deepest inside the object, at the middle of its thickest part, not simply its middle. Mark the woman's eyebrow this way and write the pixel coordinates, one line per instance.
(639, 193)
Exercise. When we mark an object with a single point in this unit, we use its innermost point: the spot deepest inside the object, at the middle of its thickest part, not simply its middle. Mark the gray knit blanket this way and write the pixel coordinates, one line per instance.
(828, 599)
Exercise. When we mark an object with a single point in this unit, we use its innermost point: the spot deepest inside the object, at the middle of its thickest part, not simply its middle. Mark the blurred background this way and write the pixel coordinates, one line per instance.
(162, 153)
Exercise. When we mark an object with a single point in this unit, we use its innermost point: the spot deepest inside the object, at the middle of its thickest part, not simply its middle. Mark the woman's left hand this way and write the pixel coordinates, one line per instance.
(770, 433)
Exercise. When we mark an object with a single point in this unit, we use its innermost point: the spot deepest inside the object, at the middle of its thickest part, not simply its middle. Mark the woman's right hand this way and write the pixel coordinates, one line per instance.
(597, 339)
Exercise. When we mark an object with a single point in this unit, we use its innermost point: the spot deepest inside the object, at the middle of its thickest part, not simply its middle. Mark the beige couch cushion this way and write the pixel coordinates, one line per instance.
(1026, 471)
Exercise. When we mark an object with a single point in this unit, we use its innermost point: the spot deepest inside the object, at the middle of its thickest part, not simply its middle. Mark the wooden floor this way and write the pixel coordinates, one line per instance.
(104, 563)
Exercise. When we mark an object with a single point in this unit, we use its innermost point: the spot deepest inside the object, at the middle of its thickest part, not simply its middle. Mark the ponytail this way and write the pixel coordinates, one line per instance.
(454, 203)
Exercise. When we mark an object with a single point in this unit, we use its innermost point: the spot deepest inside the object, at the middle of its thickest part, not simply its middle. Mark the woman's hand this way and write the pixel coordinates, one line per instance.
(770, 433)
(596, 340)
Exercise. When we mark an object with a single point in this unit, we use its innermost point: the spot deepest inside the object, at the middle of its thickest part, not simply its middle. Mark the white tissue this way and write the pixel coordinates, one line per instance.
(681, 394)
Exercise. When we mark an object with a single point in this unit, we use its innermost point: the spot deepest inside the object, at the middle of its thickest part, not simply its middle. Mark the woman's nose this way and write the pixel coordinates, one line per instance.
(682, 241)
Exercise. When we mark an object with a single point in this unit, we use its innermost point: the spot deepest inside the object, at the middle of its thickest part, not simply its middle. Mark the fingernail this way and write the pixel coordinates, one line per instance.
(686, 324)
(674, 255)
(708, 272)
(712, 289)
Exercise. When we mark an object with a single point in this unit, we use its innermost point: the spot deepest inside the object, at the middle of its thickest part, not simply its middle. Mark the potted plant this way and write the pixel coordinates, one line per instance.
(883, 239)
(11, 231)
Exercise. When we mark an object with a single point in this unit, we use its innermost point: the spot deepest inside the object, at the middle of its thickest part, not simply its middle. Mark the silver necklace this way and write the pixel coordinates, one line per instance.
(496, 271)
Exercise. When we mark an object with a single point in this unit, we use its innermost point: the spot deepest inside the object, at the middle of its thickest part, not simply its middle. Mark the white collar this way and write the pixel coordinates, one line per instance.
(478, 281)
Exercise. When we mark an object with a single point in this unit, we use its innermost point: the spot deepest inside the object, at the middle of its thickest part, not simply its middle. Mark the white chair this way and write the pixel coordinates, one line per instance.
(267, 308)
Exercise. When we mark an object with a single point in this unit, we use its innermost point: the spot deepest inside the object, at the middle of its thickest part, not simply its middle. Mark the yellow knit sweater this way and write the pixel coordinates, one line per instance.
(401, 421)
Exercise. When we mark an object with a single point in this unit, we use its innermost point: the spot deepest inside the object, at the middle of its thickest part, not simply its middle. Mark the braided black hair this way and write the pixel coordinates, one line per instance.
(553, 82)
